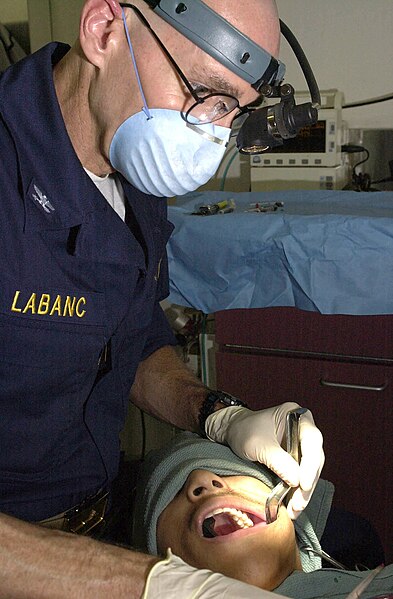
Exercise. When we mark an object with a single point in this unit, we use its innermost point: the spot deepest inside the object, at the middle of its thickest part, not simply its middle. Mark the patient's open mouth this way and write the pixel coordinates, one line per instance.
(227, 520)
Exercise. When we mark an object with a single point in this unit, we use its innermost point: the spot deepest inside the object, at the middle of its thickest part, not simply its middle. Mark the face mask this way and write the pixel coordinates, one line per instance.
(165, 156)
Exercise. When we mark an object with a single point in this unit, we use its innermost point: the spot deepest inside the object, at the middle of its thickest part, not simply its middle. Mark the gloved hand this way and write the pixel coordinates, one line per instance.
(257, 436)
(172, 577)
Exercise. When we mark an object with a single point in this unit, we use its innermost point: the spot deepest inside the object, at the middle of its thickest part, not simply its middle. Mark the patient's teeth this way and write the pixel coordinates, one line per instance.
(238, 516)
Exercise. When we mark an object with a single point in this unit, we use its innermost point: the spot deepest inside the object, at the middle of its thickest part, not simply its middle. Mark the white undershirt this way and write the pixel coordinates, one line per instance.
(111, 189)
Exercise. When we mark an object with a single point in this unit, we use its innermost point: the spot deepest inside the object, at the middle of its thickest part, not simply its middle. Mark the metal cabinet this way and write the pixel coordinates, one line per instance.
(341, 367)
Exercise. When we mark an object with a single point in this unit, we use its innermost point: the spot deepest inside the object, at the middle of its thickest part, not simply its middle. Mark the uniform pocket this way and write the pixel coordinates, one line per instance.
(48, 363)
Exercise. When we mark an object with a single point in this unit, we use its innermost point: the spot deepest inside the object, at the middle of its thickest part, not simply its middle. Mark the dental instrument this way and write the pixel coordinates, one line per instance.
(281, 490)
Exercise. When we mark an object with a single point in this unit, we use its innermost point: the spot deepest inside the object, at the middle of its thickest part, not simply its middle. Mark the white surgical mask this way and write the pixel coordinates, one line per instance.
(163, 155)
(160, 154)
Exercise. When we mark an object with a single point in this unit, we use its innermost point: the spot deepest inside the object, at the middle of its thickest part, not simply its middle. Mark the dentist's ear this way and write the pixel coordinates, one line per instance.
(101, 29)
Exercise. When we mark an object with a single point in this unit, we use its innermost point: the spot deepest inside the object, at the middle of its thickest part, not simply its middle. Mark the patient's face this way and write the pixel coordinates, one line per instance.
(219, 523)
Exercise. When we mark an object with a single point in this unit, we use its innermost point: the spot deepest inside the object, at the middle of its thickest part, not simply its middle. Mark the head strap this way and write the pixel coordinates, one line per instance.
(226, 44)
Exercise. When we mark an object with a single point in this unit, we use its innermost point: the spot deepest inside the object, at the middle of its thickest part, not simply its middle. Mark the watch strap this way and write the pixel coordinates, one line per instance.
(209, 405)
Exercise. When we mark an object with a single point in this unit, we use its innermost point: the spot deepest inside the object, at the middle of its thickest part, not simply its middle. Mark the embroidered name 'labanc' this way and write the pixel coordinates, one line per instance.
(45, 303)
(53, 305)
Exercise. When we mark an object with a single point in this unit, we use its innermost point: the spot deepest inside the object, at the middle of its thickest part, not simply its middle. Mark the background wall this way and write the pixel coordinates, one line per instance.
(13, 14)
(12, 11)
(53, 20)
(66, 24)
(350, 47)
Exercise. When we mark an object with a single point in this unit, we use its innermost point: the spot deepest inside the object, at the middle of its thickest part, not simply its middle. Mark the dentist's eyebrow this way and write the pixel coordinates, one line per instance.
(220, 84)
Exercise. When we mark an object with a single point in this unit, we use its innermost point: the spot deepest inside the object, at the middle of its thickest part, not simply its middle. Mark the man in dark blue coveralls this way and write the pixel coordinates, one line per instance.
(83, 232)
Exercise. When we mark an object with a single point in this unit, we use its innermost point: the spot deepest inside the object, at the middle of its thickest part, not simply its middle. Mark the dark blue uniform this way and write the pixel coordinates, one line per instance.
(79, 293)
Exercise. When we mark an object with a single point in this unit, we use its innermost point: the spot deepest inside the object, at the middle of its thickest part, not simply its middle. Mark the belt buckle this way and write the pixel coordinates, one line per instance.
(82, 520)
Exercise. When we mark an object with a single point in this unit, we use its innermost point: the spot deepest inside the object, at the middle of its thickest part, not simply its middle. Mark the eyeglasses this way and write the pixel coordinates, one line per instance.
(208, 106)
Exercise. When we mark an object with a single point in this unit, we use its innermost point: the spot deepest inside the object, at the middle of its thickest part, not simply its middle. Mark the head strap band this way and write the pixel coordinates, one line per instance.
(226, 44)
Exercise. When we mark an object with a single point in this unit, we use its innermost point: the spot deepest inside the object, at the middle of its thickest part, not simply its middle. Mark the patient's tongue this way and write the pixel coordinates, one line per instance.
(224, 525)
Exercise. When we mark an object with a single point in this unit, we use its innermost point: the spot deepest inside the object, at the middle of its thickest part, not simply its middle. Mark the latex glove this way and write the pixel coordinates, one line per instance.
(172, 577)
(258, 435)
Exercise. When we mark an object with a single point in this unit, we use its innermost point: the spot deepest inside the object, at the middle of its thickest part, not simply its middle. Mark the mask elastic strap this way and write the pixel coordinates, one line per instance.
(145, 107)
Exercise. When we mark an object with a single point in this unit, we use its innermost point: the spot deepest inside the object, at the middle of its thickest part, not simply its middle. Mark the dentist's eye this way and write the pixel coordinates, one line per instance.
(201, 89)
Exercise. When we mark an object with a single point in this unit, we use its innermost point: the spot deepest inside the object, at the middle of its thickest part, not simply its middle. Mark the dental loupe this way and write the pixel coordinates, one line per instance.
(266, 127)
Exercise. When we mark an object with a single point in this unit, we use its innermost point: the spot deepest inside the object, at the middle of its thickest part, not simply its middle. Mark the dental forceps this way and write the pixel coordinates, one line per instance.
(281, 490)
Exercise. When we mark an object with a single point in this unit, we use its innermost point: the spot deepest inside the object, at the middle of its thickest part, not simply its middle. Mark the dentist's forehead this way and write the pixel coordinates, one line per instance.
(258, 20)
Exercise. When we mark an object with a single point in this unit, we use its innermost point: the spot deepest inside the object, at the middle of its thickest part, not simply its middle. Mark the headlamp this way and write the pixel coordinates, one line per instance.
(265, 127)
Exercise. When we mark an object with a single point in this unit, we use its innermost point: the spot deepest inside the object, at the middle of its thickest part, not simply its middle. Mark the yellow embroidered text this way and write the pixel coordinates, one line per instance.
(45, 304)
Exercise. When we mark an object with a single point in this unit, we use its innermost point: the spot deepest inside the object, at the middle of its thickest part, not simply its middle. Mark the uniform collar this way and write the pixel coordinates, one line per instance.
(57, 191)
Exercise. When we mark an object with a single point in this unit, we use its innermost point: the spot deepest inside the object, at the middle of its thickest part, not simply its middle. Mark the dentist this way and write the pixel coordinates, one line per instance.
(93, 139)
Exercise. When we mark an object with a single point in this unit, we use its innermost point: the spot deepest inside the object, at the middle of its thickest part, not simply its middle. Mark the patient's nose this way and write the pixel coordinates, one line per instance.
(202, 482)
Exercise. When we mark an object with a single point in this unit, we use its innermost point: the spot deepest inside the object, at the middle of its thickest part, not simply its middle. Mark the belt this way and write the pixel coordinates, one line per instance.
(82, 518)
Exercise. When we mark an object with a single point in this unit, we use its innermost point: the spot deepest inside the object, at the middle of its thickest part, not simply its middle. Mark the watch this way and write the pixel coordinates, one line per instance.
(208, 406)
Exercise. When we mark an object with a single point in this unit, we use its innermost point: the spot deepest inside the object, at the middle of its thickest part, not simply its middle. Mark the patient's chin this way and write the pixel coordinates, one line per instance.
(265, 567)
(269, 577)
(265, 577)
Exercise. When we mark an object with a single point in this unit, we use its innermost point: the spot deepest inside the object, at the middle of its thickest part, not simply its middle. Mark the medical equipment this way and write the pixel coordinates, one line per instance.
(362, 586)
(316, 146)
(265, 207)
(281, 490)
(265, 127)
(272, 178)
(315, 159)
(325, 556)
(217, 208)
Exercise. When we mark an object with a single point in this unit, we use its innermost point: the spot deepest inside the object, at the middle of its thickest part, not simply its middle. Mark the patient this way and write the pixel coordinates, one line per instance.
(206, 504)
(216, 523)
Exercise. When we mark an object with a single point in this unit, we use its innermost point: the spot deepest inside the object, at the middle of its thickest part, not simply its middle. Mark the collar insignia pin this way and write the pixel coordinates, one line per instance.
(42, 200)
